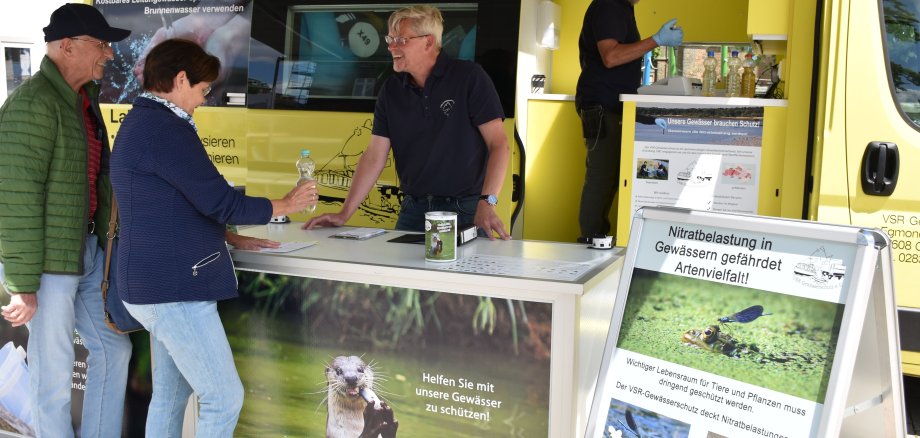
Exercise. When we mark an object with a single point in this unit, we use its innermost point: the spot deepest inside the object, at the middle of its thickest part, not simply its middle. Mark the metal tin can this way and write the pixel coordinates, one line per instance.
(440, 236)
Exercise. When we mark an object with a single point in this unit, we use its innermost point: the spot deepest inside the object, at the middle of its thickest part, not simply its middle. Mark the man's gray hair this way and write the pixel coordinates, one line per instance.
(423, 19)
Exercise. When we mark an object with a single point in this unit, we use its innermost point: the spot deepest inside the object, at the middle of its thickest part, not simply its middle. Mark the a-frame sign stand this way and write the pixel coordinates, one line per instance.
(729, 325)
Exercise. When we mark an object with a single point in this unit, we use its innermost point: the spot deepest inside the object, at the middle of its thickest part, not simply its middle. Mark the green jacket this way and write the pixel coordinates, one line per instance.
(44, 198)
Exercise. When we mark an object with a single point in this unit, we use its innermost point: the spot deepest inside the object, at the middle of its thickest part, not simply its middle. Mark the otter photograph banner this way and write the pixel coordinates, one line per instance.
(339, 359)
(732, 326)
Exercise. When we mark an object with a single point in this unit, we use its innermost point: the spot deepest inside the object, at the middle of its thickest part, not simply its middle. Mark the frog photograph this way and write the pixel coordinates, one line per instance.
(780, 342)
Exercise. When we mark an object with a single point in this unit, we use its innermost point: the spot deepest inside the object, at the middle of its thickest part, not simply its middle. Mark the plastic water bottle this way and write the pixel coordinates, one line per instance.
(306, 166)
(733, 85)
(709, 74)
(748, 78)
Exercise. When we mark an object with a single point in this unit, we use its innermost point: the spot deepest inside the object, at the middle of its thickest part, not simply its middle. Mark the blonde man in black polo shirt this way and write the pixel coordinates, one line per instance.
(443, 120)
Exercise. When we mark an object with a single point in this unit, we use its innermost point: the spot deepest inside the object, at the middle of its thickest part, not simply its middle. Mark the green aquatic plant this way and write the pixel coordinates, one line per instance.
(484, 316)
(388, 317)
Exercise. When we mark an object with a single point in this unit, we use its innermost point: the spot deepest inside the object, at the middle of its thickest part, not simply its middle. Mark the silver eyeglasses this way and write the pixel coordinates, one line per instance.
(102, 44)
(401, 41)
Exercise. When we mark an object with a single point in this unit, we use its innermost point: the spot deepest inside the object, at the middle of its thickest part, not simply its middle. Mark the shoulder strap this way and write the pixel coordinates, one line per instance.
(109, 236)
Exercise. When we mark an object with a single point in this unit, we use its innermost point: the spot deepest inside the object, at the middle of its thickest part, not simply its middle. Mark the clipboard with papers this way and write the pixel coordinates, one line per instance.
(358, 233)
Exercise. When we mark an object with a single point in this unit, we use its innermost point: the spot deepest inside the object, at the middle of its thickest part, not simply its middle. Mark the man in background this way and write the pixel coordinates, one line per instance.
(55, 197)
(443, 119)
(610, 51)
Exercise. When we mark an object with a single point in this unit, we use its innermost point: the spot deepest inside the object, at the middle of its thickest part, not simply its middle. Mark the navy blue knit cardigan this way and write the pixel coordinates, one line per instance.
(173, 207)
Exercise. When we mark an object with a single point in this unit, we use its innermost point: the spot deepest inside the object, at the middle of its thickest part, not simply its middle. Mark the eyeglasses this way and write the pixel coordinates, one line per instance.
(401, 41)
(102, 44)
(207, 91)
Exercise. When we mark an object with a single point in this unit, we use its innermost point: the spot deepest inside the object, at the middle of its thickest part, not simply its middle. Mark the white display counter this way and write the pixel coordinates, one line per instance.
(532, 271)
(696, 100)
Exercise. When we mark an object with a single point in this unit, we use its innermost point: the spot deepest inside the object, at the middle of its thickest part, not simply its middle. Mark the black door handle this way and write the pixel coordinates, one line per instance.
(879, 169)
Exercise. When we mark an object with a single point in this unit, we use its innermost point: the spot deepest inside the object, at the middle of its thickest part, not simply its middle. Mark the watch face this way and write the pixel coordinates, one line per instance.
(492, 200)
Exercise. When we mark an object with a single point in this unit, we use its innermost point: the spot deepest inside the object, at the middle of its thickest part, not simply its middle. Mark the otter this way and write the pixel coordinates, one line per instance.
(353, 408)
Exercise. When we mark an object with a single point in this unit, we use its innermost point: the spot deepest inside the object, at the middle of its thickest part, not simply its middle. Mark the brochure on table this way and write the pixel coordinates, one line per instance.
(734, 326)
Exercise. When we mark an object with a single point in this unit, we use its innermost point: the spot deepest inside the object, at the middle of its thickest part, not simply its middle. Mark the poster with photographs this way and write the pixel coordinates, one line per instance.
(705, 157)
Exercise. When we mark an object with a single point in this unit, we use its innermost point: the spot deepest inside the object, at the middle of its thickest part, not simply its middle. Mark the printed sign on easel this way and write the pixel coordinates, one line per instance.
(732, 325)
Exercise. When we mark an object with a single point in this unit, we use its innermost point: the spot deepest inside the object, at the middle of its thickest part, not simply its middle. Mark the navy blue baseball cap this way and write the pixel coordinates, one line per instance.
(74, 19)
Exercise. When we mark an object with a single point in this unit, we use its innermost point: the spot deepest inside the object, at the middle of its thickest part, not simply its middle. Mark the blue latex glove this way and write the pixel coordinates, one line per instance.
(669, 34)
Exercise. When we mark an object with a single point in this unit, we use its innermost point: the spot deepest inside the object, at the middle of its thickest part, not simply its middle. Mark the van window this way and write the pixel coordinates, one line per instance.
(18, 66)
(903, 44)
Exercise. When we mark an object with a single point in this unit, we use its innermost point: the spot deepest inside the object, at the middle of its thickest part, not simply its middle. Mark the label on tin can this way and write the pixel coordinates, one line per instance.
(440, 236)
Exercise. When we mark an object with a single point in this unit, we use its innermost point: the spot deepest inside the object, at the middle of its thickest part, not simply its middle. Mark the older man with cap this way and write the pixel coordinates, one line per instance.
(55, 196)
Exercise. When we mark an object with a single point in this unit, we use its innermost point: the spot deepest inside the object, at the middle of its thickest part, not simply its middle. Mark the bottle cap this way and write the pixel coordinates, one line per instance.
(304, 152)
(734, 53)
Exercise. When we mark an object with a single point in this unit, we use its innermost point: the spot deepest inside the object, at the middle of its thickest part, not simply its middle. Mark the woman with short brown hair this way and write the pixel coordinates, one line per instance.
(173, 260)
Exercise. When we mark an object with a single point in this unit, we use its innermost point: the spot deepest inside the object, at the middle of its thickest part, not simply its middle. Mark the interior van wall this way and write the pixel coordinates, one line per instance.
(702, 21)
(532, 60)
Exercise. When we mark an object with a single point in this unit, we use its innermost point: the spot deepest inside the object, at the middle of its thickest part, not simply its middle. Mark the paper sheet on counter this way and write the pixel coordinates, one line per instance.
(287, 247)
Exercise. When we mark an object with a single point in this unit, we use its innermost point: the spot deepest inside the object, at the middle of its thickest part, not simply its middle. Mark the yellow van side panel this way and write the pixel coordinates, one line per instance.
(258, 149)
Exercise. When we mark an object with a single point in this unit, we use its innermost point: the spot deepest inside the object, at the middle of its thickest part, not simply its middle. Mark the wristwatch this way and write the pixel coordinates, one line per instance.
(491, 199)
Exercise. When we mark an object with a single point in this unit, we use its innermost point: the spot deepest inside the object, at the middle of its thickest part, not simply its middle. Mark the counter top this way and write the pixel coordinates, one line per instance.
(697, 100)
(375, 259)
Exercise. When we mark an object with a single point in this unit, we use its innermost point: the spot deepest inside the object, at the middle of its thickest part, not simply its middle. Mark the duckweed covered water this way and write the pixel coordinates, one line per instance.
(790, 351)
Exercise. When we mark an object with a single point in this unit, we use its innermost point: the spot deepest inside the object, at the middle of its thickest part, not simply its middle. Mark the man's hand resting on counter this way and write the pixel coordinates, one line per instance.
(326, 220)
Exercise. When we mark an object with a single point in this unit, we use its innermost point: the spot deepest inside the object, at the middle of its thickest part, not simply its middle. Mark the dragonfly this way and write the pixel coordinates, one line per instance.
(630, 425)
(745, 316)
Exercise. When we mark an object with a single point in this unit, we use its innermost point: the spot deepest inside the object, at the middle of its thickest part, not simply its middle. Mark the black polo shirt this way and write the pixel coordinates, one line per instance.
(607, 19)
(434, 132)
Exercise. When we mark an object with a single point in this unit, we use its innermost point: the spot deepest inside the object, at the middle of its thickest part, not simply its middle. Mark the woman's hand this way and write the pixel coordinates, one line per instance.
(249, 243)
(298, 199)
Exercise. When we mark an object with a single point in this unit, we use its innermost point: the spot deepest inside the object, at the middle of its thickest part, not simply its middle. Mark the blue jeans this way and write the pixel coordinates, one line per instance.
(190, 354)
(65, 303)
(413, 209)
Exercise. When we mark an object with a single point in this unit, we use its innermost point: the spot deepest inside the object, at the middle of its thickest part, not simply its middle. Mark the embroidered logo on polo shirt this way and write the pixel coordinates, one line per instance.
(446, 106)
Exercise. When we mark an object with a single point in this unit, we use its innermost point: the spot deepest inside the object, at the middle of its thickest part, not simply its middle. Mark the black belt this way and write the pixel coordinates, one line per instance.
(434, 198)
(90, 226)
